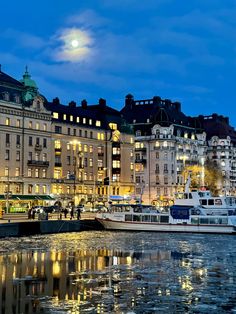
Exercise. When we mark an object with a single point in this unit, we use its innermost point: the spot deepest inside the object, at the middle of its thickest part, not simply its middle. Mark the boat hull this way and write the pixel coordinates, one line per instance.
(161, 227)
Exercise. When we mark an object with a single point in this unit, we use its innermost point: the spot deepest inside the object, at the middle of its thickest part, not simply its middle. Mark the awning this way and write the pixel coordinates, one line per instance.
(27, 197)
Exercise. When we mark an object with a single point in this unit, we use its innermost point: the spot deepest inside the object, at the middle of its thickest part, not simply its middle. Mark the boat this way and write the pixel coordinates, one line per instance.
(193, 211)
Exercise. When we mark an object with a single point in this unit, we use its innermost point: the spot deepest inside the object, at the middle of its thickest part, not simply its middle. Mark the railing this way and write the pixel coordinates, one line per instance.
(38, 163)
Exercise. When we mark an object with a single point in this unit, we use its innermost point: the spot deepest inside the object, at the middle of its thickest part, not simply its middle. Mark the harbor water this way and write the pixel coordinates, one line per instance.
(118, 272)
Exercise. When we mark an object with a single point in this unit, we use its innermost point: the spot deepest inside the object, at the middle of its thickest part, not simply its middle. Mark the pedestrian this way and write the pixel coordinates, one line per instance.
(30, 213)
(33, 213)
(71, 213)
(65, 212)
(78, 213)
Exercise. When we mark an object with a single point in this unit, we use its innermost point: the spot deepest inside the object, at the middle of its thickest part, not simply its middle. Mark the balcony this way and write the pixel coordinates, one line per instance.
(38, 147)
(57, 180)
(58, 164)
(140, 149)
(38, 163)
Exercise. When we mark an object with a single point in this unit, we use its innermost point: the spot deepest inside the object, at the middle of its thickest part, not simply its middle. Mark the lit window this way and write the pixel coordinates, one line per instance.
(6, 171)
(30, 188)
(36, 173)
(90, 162)
(36, 188)
(77, 119)
(57, 174)
(71, 118)
(185, 135)
(85, 176)
(84, 120)
(55, 115)
(44, 172)
(90, 121)
(37, 126)
(165, 144)
(44, 189)
(99, 136)
(45, 127)
(68, 146)
(18, 123)
(131, 166)
(90, 148)
(98, 123)
(113, 126)
(7, 121)
(102, 136)
(29, 172)
(57, 144)
(64, 116)
(85, 148)
(30, 124)
(116, 163)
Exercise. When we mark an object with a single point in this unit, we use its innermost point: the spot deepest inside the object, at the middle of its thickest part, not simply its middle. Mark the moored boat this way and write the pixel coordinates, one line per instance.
(179, 218)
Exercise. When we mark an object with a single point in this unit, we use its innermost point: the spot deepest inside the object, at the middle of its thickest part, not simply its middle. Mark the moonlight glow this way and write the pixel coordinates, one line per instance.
(74, 43)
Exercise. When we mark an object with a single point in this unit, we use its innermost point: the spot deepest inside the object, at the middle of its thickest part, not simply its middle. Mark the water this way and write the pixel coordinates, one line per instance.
(118, 272)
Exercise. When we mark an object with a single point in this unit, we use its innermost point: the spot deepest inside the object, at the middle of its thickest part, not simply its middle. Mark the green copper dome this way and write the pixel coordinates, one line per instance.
(27, 81)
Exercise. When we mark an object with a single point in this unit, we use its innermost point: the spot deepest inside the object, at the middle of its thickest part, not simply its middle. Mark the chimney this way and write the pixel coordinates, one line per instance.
(72, 104)
(84, 103)
(129, 101)
(102, 102)
(56, 101)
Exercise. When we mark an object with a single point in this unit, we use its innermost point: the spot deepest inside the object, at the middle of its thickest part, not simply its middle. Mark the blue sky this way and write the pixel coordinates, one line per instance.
(181, 50)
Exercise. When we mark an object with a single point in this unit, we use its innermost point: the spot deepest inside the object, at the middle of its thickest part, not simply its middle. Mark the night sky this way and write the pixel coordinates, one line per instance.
(181, 50)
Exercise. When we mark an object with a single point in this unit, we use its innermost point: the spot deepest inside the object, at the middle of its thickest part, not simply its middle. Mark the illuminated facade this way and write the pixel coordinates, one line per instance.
(165, 142)
(52, 151)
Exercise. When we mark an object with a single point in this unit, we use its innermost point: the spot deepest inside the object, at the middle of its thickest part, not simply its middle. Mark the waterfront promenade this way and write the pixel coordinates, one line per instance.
(16, 225)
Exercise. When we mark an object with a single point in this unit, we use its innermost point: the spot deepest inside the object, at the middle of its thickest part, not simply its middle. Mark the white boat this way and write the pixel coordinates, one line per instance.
(179, 219)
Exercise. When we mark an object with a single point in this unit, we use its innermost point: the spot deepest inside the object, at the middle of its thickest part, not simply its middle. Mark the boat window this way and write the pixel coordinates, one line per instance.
(195, 221)
(201, 194)
(136, 218)
(203, 220)
(190, 195)
(154, 219)
(223, 221)
(213, 221)
(164, 219)
(185, 195)
(211, 202)
(218, 201)
(146, 218)
(128, 217)
(203, 202)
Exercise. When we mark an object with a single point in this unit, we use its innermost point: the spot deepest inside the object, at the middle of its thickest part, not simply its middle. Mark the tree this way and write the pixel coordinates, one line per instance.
(208, 176)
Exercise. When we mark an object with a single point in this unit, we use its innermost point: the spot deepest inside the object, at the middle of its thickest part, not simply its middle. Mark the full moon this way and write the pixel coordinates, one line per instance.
(74, 43)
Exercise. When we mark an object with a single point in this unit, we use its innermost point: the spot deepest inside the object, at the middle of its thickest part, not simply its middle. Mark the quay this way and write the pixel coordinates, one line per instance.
(18, 225)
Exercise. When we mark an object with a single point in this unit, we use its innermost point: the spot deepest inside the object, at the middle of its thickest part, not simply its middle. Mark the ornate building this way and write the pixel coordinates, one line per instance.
(51, 151)
(166, 141)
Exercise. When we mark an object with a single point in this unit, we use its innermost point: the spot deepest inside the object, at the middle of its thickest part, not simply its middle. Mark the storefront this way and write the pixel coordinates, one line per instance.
(21, 203)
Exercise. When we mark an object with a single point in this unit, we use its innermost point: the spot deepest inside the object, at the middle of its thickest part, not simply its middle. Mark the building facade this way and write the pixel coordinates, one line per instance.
(166, 141)
(66, 153)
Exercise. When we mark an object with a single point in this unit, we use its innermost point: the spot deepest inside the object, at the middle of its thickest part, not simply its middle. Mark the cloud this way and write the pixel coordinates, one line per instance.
(24, 39)
(75, 45)
(87, 19)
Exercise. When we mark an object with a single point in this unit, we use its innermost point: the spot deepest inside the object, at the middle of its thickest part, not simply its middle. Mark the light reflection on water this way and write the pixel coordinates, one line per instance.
(118, 272)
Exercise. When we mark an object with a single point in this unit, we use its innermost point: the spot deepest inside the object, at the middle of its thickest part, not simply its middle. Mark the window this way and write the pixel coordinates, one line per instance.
(44, 157)
(57, 144)
(68, 131)
(85, 148)
(86, 162)
(45, 127)
(44, 188)
(36, 173)
(30, 156)
(77, 119)
(17, 155)
(100, 163)
(64, 116)
(7, 121)
(68, 160)
(44, 173)
(91, 134)
(71, 118)
(85, 176)
(44, 142)
(58, 129)
(17, 139)
(6, 171)
(37, 141)
(30, 141)
(90, 148)
(165, 179)
(36, 188)
(90, 162)
(116, 150)
(18, 123)
(85, 133)
(7, 154)
(17, 172)
(138, 179)
(116, 177)
(55, 115)
(37, 126)
(30, 124)
(113, 126)
(80, 133)
(84, 120)
(29, 172)
(116, 164)
(90, 122)
(157, 155)
(30, 189)
(7, 138)
(98, 123)
(74, 132)
(57, 173)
